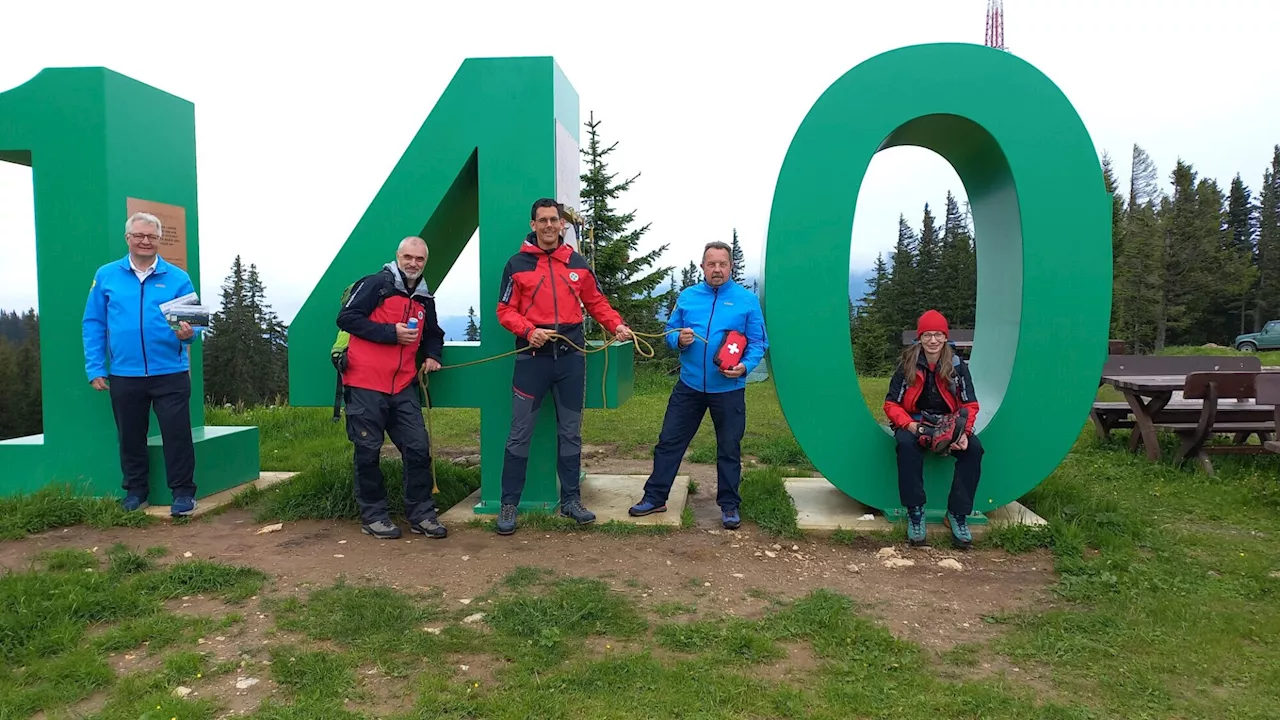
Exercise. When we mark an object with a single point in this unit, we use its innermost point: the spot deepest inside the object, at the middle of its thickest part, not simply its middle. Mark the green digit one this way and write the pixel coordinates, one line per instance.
(490, 147)
(94, 139)
(1043, 228)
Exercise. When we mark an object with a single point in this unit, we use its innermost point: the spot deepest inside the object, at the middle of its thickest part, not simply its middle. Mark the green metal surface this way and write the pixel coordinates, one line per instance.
(94, 138)
(484, 154)
(1043, 227)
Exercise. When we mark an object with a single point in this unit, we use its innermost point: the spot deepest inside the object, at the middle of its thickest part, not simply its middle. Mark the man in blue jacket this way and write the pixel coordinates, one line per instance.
(131, 350)
(708, 310)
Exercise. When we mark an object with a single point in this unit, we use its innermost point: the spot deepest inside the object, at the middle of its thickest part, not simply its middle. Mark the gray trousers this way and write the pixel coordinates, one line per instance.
(564, 376)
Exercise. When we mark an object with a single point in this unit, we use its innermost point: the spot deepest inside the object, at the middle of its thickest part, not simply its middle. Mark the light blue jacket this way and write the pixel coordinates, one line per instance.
(711, 313)
(124, 331)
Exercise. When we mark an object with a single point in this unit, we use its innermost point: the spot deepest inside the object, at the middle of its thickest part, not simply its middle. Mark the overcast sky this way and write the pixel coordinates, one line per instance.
(310, 109)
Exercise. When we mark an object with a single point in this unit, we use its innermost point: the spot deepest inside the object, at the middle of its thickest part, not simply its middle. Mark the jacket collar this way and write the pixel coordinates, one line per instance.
(728, 284)
(162, 266)
(397, 279)
(561, 253)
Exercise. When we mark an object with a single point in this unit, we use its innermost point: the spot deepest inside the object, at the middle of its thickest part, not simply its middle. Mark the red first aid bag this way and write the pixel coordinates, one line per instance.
(731, 350)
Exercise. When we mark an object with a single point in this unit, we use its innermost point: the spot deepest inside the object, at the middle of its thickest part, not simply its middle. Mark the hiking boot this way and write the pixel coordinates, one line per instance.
(915, 526)
(506, 519)
(960, 535)
(381, 529)
(182, 506)
(573, 509)
(429, 526)
(729, 519)
(646, 507)
(134, 502)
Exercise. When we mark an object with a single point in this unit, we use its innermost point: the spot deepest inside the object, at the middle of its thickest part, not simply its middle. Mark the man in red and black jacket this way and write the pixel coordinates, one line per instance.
(380, 388)
(544, 288)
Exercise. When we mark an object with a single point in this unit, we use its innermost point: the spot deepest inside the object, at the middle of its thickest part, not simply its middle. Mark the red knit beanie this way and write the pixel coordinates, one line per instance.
(932, 321)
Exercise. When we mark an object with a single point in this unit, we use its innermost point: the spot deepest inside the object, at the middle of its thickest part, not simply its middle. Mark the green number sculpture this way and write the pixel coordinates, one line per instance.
(490, 147)
(1043, 228)
(98, 143)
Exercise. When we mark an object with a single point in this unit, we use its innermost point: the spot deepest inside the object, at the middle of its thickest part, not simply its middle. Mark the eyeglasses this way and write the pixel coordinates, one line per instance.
(933, 336)
(149, 236)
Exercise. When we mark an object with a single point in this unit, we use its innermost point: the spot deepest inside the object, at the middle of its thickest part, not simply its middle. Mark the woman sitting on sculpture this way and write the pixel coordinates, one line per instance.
(934, 410)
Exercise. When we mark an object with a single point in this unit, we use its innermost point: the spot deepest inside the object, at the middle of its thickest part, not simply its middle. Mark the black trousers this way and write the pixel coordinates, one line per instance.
(964, 484)
(132, 400)
(565, 377)
(371, 413)
(685, 410)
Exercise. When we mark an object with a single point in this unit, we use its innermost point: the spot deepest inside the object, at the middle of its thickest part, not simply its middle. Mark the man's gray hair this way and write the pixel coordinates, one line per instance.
(426, 252)
(143, 217)
(717, 245)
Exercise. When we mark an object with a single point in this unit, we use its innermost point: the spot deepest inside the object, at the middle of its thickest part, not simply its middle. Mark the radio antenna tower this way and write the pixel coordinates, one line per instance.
(995, 25)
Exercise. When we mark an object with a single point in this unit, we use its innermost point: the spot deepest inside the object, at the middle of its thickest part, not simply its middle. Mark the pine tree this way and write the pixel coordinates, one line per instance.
(690, 276)
(901, 294)
(1268, 302)
(1139, 272)
(929, 276)
(958, 268)
(736, 257)
(473, 330)
(228, 358)
(672, 294)
(627, 281)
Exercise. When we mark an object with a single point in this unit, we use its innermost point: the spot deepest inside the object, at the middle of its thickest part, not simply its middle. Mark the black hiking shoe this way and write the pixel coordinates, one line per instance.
(506, 519)
(381, 529)
(573, 509)
(429, 526)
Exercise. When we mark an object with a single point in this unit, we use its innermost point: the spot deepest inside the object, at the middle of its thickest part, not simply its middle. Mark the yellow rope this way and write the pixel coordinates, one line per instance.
(637, 337)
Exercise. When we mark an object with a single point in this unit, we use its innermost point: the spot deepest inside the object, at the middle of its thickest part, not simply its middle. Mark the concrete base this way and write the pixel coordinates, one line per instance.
(823, 508)
(608, 496)
(216, 500)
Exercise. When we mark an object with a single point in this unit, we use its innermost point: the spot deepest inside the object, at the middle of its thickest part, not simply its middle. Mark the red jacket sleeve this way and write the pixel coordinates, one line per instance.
(594, 300)
(898, 415)
(509, 298)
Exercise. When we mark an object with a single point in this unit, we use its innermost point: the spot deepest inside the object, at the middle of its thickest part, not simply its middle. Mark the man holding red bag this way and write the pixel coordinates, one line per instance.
(721, 339)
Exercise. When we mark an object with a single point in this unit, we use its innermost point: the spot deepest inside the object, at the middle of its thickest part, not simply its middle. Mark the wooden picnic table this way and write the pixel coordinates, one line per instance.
(1150, 395)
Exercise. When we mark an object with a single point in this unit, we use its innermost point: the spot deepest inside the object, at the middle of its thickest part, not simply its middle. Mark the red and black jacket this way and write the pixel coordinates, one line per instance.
(548, 290)
(902, 400)
(375, 360)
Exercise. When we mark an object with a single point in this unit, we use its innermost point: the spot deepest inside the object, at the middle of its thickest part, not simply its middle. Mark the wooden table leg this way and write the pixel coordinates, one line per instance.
(1144, 430)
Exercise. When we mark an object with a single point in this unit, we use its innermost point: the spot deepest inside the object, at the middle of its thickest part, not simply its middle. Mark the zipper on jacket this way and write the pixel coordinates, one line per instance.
(707, 345)
(555, 302)
(533, 295)
(142, 328)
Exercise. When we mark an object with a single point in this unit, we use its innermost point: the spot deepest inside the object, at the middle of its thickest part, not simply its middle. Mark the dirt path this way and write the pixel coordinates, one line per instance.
(715, 570)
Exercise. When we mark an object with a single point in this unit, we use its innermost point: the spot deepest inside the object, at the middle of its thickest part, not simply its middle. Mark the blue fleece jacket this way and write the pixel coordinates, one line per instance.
(125, 333)
(711, 313)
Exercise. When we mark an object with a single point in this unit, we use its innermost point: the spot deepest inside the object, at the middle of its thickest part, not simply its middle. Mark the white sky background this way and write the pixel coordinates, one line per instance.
(301, 113)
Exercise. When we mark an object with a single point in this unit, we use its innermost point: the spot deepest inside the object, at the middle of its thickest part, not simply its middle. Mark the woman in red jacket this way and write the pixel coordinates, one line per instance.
(939, 384)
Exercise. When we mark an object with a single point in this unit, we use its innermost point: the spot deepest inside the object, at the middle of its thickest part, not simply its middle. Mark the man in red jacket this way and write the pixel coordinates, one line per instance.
(544, 287)
(381, 391)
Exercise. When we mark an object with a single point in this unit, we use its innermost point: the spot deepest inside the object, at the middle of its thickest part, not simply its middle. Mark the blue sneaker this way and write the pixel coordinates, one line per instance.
(575, 511)
(182, 506)
(646, 507)
(915, 526)
(506, 519)
(134, 502)
(960, 535)
(730, 519)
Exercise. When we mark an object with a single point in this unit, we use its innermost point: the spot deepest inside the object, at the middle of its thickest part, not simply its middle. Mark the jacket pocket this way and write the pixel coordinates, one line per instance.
(533, 295)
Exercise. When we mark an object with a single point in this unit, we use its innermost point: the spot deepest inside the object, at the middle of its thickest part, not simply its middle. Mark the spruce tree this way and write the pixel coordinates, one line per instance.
(690, 276)
(228, 359)
(736, 257)
(473, 330)
(901, 294)
(627, 281)
(958, 268)
(1269, 245)
(929, 274)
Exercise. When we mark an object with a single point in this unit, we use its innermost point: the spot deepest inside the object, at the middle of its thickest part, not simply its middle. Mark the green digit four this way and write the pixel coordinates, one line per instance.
(1043, 227)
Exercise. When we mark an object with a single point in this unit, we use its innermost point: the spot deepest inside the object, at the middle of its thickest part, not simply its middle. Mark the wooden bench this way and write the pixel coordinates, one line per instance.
(1111, 415)
(1216, 390)
(1268, 386)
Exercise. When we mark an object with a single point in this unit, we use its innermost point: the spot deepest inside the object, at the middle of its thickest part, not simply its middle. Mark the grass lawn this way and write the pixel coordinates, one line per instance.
(1165, 604)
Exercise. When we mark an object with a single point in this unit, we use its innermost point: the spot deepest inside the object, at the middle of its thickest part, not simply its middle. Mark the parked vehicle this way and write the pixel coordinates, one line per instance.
(1266, 339)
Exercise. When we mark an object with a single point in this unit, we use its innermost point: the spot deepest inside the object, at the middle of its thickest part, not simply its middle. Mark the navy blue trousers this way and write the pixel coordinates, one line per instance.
(685, 411)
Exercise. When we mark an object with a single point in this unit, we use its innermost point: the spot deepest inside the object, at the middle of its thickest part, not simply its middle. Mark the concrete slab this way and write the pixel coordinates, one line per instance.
(822, 508)
(608, 496)
(218, 499)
